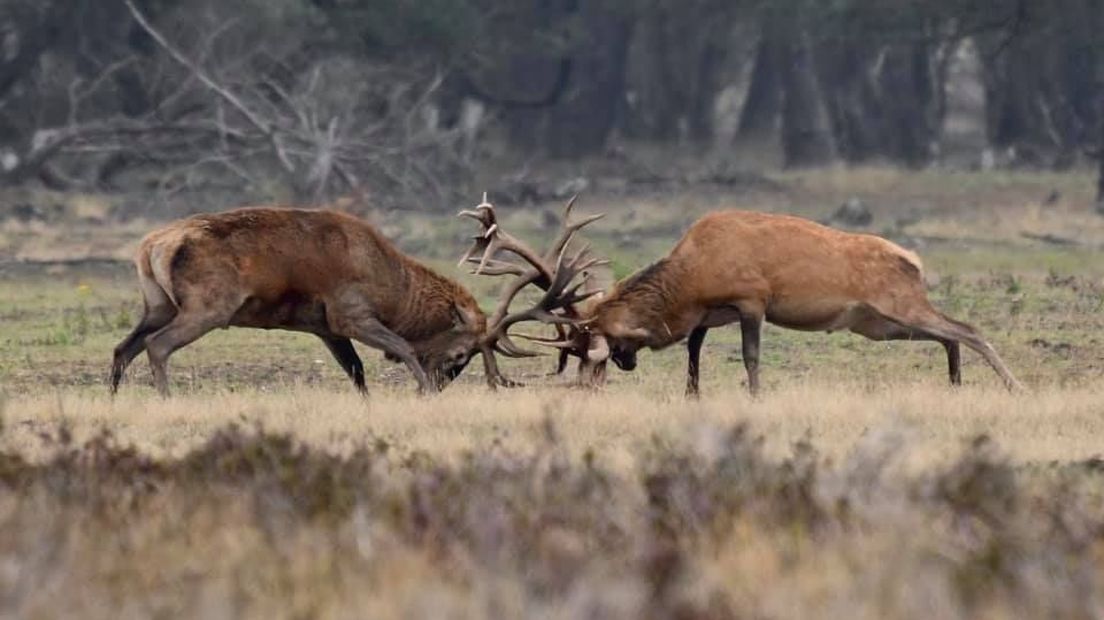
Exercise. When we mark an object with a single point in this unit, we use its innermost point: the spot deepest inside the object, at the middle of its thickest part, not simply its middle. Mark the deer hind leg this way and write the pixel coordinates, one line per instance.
(950, 329)
(158, 311)
(184, 329)
(750, 328)
(877, 326)
(343, 351)
(931, 325)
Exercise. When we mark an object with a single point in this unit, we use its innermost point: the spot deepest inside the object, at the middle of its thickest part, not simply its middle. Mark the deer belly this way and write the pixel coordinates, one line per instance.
(815, 316)
(291, 310)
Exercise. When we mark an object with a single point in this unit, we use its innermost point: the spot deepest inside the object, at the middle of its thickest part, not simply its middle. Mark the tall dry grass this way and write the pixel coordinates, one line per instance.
(703, 524)
(1048, 424)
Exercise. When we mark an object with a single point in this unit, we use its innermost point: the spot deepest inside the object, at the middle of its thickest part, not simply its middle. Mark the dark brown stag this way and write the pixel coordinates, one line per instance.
(746, 267)
(329, 274)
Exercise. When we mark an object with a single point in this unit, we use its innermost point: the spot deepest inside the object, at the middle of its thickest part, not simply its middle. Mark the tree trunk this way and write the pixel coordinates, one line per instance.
(1100, 179)
(806, 137)
(707, 85)
(582, 122)
(910, 103)
(657, 101)
(1100, 153)
(850, 98)
(676, 68)
(760, 114)
(1013, 88)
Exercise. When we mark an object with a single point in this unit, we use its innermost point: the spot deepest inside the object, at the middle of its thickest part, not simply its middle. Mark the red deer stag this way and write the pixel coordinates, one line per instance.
(329, 274)
(740, 266)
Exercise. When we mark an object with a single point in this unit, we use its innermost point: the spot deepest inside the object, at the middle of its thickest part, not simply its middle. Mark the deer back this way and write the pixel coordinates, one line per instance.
(272, 257)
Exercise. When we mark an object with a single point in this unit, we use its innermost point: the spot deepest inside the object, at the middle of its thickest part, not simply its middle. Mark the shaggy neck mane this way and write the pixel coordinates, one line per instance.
(429, 304)
(650, 292)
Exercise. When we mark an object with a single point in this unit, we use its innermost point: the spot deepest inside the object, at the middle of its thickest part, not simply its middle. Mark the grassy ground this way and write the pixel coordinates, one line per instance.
(1019, 255)
(1041, 303)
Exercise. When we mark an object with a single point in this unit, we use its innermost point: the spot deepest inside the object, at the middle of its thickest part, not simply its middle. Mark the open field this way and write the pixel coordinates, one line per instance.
(856, 486)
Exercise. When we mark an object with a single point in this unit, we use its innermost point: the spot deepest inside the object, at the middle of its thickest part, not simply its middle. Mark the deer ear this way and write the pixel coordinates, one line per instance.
(620, 330)
(462, 318)
(458, 318)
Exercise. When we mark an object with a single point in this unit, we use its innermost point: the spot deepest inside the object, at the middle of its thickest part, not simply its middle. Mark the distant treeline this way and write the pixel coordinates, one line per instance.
(403, 95)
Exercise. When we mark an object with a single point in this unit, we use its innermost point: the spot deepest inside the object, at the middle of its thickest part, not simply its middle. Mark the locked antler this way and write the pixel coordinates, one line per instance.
(553, 271)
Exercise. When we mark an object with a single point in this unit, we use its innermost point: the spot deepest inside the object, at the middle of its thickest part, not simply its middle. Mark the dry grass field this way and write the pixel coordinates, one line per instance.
(859, 485)
(1047, 425)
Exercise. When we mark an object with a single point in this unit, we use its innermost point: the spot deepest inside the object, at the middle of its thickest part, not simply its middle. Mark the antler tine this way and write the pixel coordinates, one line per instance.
(494, 267)
(568, 268)
(569, 206)
(568, 229)
(587, 221)
(592, 263)
(484, 243)
(556, 343)
(481, 213)
(509, 348)
(503, 342)
(484, 214)
(573, 296)
(580, 224)
(559, 295)
(493, 240)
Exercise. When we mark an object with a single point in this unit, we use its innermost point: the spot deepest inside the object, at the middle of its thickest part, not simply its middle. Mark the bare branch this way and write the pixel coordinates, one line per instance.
(196, 70)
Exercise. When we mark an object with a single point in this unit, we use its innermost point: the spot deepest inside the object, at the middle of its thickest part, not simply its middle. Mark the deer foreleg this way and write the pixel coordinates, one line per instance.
(375, 334)
(343, 351)
(693, 348)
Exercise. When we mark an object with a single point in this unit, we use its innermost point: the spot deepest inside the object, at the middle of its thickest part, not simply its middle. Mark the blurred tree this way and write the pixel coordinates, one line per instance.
(400, 98)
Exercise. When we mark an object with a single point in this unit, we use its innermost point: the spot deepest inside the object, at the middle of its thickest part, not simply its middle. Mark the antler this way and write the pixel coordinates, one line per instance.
(553, 271)
(492, 240)
(561, 295)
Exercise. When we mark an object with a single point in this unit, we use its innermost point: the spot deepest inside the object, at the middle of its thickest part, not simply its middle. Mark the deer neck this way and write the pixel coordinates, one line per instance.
(428, 300)
(651, 300)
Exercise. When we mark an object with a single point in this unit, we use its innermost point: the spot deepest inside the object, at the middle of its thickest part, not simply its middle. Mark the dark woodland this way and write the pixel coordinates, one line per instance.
(406, 102)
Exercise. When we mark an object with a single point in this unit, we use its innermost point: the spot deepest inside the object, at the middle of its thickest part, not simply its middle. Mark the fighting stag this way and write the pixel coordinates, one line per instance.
(554, 271)
(321, 272)
(329, 274)
(746, 267)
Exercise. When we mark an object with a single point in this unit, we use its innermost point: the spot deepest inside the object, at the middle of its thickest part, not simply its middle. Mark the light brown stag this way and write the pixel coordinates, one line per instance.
(747, 267)
(329, 274)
